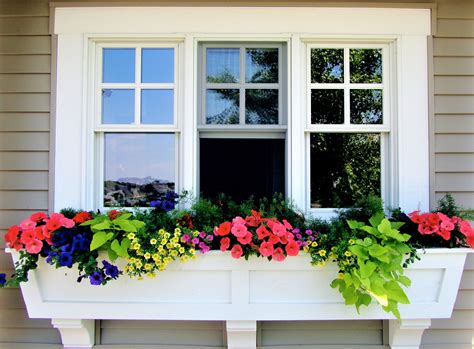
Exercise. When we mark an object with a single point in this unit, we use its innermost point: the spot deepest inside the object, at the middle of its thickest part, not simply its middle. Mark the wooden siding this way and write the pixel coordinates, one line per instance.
(25, 67)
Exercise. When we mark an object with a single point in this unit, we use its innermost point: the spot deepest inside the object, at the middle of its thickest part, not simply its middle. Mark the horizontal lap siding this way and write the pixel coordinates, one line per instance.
(25, 67)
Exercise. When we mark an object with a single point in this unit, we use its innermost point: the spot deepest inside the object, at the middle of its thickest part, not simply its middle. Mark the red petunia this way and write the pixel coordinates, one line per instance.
(266, 249)
(239, 230)
(254, 220)
(262, 232)
(236, 251)
(273, 239)
(223, 229)
(278, 255)
(38, 217)
(27, 236)
(246, 239)
(82, 217)
(12, 236)
(225, 243)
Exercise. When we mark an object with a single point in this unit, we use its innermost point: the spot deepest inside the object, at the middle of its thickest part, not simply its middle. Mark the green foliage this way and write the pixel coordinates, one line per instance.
(110, 233)
(448, 206)
(69, 212)
(25, 263)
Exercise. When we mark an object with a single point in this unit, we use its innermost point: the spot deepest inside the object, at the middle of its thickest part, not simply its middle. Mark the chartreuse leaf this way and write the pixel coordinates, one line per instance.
(355, 224)
(363, 299)
(366, 269)
(397, 225)
(382, 299)
(99, 239)
(396, 293)
(392, 306)
(377, 250)
(126, 226)
(360, 251)
(377, 218)
(350, 295)
(404, 280)
(112, 254)
(101, 226)
(138, 224)
(385, 227)
(121, 249)
(371, 230)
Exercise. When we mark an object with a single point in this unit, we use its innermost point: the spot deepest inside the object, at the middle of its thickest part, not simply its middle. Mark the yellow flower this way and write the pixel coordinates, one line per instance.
(193, 257)
(192, 251)
(314, 244)
(352, 242)
(347, 253)
(184, 258)
(174, 240)
(321, 264)
(196, 233)
(174, 253)
(136, 246)
(160, 248)
(155, 256)
(181, 250)
(164, 242)
(334, 248)
(138, 264)
(147, 255)
(167, 235)
(306, 248)
(151, 275)
(322, 253)
(153, 241)
(346, 262)
(131, 236)
(148, 266)
(161, 231)
(169, 246)
(177, 231)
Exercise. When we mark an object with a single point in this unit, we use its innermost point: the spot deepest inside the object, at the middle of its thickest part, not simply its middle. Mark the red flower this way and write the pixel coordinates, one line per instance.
(39, 233)
(287, 225)
(239, 230)
(465, 228)
(34, 246)
(223, 229)
(236, 251)
(82, 217)
(470, 241)
(278, 229)
(11, 237)
(445, 234)
(262, 232)
(415, 217)
(292, 248)
(113, 214)
(225, 243)
(53, 224)
(39, 216)
(27, 236)
(247, 238)
(273, 239)
(278, 255)
(27, 224)
(266, 249)
(254, 220)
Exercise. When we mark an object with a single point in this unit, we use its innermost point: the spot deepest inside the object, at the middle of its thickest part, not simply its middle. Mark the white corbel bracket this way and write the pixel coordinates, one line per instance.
(241, 334)
(76, 333)
(407, 334)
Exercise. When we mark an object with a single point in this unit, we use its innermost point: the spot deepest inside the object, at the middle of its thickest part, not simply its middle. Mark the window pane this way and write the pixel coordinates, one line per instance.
(366, 65)
(157, 106)
(139, 168)
(327, 106)
(261, 107)
(118, 106)
(344, 168)
(327, 65)
(118, 65)
(222, 106)
(261, 65)
(366, 107)
(223, 65)
(158, 65)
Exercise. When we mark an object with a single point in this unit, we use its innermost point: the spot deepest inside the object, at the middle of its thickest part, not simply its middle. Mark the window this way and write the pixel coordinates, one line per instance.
(136, 118)
(348, 123)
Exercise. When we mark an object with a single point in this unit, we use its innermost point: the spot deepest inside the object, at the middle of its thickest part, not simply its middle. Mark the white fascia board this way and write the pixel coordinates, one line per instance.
(262, 20)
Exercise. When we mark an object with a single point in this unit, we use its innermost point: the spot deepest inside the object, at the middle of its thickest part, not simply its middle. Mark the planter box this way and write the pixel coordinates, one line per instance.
(217, 287)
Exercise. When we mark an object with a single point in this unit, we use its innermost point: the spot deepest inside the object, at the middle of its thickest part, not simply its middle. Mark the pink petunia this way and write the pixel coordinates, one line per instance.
(238, 220)
(262, 232)
(278, 229)
(287, 225)
(225, 243)
(34, 246)
(266, 249)
(27, 224)
(38, 217)
(246, 239)
(236, 251)
(239, 230)
(278, 255)
(27, 236)
(292, 248)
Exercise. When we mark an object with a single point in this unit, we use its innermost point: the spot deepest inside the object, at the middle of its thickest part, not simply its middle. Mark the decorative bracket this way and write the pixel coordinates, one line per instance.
(407, 334)
(241, 334)
(76, 333)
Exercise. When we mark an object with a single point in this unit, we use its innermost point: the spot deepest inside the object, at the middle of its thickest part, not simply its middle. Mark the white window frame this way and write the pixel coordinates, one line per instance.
(406, 29)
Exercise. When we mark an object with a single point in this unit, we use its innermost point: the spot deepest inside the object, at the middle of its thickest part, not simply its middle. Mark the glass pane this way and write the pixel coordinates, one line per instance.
(139, 168)
(366, 107)
(366, 65)
(223, 65)
(327, 65)
(118, 106)
(327, 106)
(261, 107)
(157, 106)
(261, 65)
(222, 106)
(344, 168)
(118, 65)
(158, 65)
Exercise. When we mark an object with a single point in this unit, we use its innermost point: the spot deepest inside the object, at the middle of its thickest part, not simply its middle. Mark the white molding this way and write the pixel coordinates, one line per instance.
(407, 334)
(241, 334)
(76, 333)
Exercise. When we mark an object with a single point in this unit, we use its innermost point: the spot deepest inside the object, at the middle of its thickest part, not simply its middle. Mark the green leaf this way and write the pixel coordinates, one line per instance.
(99, 239)
(337, 283)
(126, 226)
(359, 251)
(384, 258)
(394, 234)
(112, 254)
(385, 227)
(377, 250)
(101, 226)
(371, 230)
(123, 216)
(355, 224)
(138, 224)
(377, 218)
(382, 299)
(367, 269)
(397, 225)
(362, 299)
(350, 295)
(121, 249)
(395, 292)
(404, 280)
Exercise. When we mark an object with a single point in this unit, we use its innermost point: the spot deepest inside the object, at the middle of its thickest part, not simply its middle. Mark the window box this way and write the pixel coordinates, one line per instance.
(218, 287)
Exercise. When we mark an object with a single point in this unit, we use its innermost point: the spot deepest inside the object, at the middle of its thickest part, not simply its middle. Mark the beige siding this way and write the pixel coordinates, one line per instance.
(25, 67)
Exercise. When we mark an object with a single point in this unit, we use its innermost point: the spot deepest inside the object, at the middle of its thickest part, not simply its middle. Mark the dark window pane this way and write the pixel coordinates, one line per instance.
(261, 107)
(118, 65)
(261, 176)
(223, 65)
(327, 106)
(366, 65)
(139, 168)
(327, 65)
(118, 106)
(157, 106)
(261, 65)
(344, 168)
(222, 107)
(366, 107)
(158, 65)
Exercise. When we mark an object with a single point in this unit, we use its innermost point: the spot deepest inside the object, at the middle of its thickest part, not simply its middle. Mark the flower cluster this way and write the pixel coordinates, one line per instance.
(151, 254)
(199, 240)
(440, 224)
(266, 237)
(167, 203)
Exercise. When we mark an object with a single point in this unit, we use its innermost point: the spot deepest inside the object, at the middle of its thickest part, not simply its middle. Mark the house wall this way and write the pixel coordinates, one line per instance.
(25, 87)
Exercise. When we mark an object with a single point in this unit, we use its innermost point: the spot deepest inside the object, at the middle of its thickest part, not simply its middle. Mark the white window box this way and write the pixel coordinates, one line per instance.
(217, 287)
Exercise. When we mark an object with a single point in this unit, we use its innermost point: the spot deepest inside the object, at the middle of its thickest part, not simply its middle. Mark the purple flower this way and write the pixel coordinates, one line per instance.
(296, 231)
(204, 248)
(50, 257)
(186, 238)
(298, 236)
(308, 232)
(156, 203)
(299, 243)
(96, 278)
(202, 235)
(210, 237)
(65, 259)
(3, 279)
(110, 269)
(168, 206)
(311, 238)
(195, 241)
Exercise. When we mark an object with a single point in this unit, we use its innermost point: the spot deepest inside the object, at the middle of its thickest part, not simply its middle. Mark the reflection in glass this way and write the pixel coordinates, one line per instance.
(366, 65)
(366, 107)
(261, 65)
(223, 65)
(327, 65)
(158, 65)
(344, 168)
(261, 107)
(118, 65)
(327, 106)
(157, 107)
(139, 168)
(222, 106)
(118, 106)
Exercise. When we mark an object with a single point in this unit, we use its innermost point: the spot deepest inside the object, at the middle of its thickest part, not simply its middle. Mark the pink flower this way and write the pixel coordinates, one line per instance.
(278, 229)
(223, 229)
(445, 234)
(27, 224)
(27, 236)
(34, 246)
(278, 255)
(238, 220)
(465, 228)
(239, 230)
(266, 249)
(38, 217)
(292, 248)
(262, 232)
(287, 225)
(246, 239)
(254, 220)
(225, 243)
(236, 251)
(273, 239)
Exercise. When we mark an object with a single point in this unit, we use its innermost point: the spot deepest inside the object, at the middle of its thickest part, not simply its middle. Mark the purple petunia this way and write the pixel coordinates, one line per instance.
(110, 269)
(195, 241)
(96, 278)
(3, 279)
(156, 203)
(309, 232)
(168, 206)
(65, 259)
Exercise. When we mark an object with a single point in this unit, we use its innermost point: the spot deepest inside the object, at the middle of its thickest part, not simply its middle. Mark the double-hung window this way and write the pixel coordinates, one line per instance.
(136, 123)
